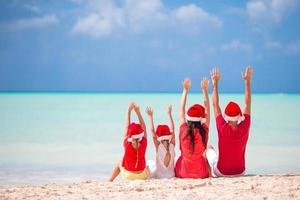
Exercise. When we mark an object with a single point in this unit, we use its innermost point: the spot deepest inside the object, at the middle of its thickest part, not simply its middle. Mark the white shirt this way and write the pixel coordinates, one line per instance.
(160, 170)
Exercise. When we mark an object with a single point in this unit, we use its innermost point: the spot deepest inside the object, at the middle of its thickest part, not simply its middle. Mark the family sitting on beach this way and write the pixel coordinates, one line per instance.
(197, 159)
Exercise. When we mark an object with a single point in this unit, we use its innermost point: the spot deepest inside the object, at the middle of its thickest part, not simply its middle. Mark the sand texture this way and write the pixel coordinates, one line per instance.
(281, 186)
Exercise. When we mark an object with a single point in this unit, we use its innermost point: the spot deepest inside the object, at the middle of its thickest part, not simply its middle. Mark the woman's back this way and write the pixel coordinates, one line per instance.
(192, 163)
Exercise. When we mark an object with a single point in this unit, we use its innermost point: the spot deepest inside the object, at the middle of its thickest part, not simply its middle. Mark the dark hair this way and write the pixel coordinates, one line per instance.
(190, 132)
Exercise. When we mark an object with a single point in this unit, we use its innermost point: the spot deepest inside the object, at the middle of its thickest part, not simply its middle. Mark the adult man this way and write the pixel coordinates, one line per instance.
(233, 131)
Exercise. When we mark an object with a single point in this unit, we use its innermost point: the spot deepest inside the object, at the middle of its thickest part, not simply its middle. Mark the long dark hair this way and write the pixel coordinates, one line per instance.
(190, 132)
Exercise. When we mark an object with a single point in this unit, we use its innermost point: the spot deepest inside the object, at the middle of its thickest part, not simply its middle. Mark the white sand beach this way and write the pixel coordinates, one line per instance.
(280, 186)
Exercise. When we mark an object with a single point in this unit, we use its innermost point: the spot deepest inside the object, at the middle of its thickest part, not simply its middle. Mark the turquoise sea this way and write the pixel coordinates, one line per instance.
(69, 137)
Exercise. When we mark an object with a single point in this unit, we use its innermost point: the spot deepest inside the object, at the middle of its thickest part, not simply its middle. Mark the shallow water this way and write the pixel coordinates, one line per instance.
(66, 137)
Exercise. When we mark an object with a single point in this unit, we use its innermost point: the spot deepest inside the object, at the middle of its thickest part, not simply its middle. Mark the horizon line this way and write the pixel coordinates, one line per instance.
(121, 92)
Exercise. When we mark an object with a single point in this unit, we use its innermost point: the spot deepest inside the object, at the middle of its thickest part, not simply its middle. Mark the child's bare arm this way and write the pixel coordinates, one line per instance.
(140, 117)
(149, 111)
(169, 112)
(127, 121)
(247, 77)
(204, 86)
(186, 86)
(215, 77)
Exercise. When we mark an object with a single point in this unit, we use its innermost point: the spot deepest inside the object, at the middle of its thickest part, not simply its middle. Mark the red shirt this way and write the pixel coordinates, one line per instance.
(232, 145)
(191, 164)
(134, 159)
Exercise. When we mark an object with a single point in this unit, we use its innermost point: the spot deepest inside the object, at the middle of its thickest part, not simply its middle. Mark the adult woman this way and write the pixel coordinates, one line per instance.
(193, 135)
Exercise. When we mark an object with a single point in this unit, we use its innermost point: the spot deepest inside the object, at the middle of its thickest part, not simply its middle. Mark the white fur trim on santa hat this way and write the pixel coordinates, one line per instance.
(133, 137)
(195, 119)
(165, 137)
(235, 118)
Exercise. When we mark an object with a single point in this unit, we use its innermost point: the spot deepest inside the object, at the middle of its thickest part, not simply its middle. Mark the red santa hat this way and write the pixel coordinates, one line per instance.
(196, 113)
(233, 112)
(135, 131)
(163, 133)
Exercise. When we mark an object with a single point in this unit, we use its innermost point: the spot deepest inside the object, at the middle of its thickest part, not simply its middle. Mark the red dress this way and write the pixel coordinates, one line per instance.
(191, 164)
(134, 159)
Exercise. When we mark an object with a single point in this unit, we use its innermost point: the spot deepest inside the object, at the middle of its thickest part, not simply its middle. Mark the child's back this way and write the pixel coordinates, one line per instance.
(164, 162)
(133, 165)
(164, 141)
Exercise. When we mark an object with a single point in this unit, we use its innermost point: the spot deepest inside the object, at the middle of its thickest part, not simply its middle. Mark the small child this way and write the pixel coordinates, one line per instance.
(133, 165)
(164, 141)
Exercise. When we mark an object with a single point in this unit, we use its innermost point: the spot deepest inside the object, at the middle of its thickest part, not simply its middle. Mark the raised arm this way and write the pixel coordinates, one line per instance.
(215, 77)
(186, 86)
(149, 111)
(169, 112)
(247, 75)
(140, 117)
(204, 86)
(127, 121)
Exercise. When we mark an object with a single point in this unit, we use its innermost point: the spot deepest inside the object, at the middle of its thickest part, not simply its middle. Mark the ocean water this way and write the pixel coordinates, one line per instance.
(70, 137)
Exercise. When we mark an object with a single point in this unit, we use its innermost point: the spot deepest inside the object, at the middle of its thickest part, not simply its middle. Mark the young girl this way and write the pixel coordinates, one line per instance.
(193, 136)
(164, 141)
(133, 165)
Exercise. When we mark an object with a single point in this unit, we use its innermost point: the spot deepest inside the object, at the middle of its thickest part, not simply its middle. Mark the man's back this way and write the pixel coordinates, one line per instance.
(232, 145)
